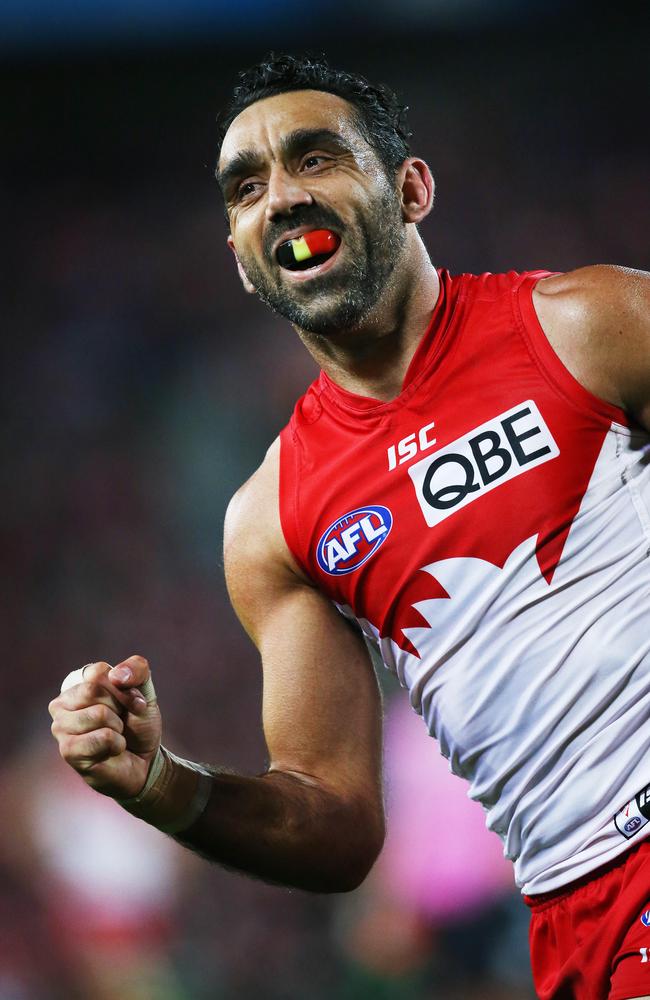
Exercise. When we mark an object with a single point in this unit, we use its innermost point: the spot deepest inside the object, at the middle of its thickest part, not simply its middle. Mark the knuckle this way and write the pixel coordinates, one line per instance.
(93, 690)
(105, 739)
(106, 718)
(65, 748)
(96, 742)
(139, 659)
(112, 743)
(98, 715)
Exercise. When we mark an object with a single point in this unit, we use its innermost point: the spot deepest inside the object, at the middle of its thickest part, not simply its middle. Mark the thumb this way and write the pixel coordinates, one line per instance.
(134, 672)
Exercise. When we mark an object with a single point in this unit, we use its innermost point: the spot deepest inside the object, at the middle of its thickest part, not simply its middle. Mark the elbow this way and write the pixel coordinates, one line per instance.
(352, 858)
(355, 874)
(364, 859)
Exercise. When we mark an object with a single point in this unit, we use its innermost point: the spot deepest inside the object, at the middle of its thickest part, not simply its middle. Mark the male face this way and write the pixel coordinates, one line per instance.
(295, 163)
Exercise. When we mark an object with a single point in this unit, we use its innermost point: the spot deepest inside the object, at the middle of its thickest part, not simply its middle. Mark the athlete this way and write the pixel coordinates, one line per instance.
(465, 490)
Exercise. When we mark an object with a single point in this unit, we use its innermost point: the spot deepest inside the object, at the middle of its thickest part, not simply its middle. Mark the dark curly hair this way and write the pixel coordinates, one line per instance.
(379, 115)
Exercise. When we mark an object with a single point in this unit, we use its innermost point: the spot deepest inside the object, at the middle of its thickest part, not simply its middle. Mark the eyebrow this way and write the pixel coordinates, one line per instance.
(251, 161)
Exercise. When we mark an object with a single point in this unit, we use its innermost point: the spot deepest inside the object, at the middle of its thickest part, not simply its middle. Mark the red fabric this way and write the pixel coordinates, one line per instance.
(588, 942)
(483, 353)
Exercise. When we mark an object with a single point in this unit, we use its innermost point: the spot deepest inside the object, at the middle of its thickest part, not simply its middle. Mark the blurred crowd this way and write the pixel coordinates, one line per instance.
(141, 387)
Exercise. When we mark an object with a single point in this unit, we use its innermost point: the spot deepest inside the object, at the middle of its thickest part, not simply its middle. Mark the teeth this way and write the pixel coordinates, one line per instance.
(301, 253)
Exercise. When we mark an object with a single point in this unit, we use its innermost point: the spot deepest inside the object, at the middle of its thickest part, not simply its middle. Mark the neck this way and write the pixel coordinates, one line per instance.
(373, 359)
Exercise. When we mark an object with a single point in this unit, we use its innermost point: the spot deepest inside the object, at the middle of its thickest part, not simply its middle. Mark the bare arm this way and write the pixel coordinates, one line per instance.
(314, 819)
(597, 319)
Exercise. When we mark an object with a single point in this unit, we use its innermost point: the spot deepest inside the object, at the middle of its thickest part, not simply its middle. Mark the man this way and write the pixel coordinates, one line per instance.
(468, 485)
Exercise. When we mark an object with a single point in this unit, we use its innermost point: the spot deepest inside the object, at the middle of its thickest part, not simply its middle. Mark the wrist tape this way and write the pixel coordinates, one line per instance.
(174, 795)
(176, 790)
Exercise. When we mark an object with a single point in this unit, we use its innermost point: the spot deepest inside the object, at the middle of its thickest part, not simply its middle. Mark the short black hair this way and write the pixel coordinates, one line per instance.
(380, 117)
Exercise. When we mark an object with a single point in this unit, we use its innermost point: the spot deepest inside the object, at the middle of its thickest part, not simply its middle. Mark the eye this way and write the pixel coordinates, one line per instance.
(246, 189)
(314, 160)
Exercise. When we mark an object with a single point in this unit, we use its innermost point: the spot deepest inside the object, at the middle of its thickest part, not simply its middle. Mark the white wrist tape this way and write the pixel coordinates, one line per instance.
(176, 790)
(163, 801)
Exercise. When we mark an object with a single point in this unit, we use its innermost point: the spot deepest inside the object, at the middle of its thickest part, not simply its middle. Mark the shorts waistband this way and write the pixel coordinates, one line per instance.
(544, 899)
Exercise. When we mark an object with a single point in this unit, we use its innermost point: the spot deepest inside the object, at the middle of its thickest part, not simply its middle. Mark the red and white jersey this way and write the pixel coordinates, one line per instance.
(489, 530)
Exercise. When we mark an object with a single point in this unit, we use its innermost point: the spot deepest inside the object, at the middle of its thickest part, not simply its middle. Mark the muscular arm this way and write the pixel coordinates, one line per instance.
(314, 820)
(597, 319)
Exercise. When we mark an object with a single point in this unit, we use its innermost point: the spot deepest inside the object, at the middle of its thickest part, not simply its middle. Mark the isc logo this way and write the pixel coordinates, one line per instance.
(466, 469)
(353, 538)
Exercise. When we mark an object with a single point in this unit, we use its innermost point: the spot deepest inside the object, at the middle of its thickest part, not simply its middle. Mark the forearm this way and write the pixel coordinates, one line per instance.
(280, 827)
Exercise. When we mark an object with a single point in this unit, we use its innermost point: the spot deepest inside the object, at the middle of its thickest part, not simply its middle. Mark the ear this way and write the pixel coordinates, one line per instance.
(249, 287)
(417, 189)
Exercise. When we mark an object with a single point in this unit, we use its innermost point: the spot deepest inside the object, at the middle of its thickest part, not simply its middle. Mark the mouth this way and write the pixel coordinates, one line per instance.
(308, 254)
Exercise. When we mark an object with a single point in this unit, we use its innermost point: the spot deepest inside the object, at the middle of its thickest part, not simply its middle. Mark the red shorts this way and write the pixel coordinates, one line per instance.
(591, 940)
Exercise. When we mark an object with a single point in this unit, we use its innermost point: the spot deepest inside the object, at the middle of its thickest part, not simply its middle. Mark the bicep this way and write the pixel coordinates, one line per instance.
(321, 700)
(321, 704)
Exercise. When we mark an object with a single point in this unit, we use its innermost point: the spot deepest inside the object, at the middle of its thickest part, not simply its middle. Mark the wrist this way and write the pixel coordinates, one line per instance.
(174, 795)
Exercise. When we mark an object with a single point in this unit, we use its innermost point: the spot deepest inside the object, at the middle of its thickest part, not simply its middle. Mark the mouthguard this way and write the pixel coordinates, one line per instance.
(317, 243)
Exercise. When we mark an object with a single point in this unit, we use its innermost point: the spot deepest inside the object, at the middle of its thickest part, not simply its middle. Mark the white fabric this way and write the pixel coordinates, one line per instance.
(539, 693)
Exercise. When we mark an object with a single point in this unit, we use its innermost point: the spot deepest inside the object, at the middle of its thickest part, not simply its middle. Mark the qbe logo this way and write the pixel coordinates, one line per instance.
(350, 540)
(645, 918)
(473, 465)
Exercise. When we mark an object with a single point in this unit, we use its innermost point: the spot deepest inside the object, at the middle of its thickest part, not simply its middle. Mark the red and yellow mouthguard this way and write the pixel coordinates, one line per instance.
(318, 243)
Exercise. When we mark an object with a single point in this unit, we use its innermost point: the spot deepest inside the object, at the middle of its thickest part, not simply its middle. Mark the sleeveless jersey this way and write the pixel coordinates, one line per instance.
(489, 531)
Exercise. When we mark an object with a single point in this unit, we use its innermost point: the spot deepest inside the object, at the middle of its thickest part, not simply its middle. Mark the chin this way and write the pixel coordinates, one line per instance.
(333, 320)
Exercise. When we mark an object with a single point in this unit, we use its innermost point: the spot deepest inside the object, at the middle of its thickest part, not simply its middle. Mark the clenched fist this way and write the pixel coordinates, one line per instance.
(106, 729)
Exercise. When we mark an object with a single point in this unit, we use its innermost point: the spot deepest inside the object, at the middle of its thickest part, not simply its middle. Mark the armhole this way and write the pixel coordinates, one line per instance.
(548, 362)
(288, 494)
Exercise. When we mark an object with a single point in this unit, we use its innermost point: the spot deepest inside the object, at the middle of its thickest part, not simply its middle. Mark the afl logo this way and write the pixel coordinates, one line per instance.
(350, 541)
(645, 918)
(633, 824)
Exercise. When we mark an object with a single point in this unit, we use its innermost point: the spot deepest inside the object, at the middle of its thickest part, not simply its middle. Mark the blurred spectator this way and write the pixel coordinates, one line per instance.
(439, 914)
(104, 885)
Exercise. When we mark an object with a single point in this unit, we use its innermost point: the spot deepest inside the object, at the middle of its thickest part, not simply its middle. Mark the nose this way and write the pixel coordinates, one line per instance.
(284, 193)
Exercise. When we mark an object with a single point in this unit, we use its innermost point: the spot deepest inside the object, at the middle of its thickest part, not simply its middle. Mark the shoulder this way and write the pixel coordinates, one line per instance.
(600, 292)
(257, 559)
(597, 319)
(254, 503)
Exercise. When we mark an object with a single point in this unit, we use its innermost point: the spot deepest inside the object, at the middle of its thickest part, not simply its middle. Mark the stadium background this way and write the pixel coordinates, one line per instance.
(141, 386)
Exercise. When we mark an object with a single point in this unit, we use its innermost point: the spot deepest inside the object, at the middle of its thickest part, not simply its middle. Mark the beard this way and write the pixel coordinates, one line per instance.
(342, 298)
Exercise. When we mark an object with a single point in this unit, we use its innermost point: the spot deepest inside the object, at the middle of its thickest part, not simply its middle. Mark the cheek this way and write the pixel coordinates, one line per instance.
(246, 230)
